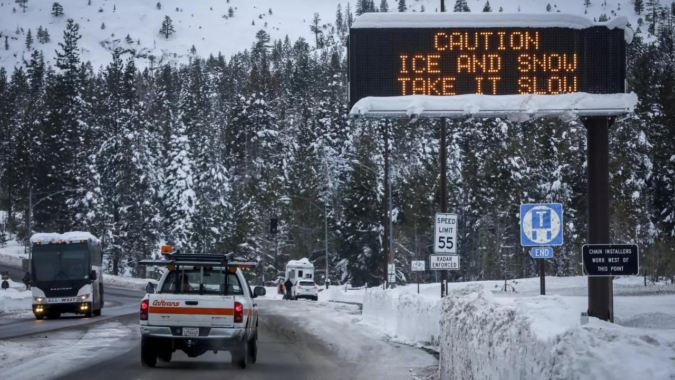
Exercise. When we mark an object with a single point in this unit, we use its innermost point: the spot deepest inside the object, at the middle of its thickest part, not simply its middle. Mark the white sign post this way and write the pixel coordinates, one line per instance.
(445, 234)
(417, 267)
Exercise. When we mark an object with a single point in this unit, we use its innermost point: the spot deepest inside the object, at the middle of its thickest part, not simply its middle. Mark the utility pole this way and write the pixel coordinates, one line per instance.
(600, 292)
(325, 224)
(444, 179)
(30, 223)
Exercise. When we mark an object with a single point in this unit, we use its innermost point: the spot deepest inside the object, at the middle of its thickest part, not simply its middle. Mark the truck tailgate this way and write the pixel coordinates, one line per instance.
(191, 310)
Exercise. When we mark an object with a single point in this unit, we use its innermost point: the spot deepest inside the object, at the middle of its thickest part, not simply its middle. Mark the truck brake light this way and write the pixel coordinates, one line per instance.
(145, 305)
(238, 313)
(299, 287)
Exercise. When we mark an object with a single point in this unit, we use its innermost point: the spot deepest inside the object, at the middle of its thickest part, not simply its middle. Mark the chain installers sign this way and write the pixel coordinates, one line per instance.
(412, 59)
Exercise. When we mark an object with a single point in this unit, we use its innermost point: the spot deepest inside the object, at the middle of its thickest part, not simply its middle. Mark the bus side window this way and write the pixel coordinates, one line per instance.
(299, 274)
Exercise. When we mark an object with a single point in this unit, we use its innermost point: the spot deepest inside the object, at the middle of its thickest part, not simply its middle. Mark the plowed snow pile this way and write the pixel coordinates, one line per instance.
(483, 337)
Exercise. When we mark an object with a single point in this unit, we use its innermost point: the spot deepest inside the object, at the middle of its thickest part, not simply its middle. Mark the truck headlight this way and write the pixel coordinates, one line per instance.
(39, 299)
(83, 297)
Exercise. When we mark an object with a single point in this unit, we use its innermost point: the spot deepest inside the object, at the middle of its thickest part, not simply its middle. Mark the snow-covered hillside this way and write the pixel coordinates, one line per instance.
(106, 23)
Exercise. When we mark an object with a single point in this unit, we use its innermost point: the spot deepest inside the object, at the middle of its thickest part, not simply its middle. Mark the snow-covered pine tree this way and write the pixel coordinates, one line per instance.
(29, 40)
(349, 16)
(587, 3)
(316, 30)
(461, 6)
(57, 10)
(65, 126)
(230, 12)
(159, 6)
(23, 4)
(402, 7)
(339, 21)
(180, 199)
(167, 27)
(487, 7)
(384, 6)
(359, 226)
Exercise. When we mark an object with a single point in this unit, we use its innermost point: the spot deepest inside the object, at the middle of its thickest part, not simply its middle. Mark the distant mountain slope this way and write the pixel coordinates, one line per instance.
(201, 23)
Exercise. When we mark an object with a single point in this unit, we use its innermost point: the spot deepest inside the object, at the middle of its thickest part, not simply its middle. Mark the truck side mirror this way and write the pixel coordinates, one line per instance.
(92, 275)
(150, 288)
(259, 291)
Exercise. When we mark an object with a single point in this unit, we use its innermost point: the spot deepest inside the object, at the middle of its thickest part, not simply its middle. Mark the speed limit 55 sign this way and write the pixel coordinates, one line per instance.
(445, 233)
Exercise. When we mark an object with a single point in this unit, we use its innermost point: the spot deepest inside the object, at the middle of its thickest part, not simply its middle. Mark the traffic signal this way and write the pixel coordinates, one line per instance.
(273, 226)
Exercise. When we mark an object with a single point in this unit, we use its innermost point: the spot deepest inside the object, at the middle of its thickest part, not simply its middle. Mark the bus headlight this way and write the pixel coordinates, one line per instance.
(83, 297)
(39, 299)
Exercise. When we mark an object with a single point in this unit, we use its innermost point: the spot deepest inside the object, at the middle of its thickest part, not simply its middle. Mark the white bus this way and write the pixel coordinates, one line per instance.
(66, 274)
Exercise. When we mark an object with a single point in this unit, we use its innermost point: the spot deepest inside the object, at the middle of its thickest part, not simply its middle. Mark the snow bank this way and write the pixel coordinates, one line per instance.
(12, 253)
(519, 107)
(45, 238)
(127, 282)
(16, 298)
(481, 20)
(339, 294)
(541, 338)
(407, 317)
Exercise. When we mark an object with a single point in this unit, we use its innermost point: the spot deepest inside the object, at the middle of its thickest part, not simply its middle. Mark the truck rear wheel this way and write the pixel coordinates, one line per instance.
(164, 355)
(240, 355)
(148, 353)
(253, 349)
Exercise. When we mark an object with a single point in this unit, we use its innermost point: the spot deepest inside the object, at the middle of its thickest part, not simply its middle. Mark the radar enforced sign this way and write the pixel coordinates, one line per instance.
(444, 262)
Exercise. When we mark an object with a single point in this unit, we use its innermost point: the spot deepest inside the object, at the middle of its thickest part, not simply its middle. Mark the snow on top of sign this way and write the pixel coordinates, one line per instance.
(486, 20)
(68, 236)
(304, 262)
(517, 107)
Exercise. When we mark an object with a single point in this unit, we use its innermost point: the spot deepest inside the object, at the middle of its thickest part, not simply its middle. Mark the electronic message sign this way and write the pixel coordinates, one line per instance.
(446, 61)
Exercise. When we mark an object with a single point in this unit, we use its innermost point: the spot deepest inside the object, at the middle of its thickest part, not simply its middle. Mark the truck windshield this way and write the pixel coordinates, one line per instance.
(61, 262)
(189, 282)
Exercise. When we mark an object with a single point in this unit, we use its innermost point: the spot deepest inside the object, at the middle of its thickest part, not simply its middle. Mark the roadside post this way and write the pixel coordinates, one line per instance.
(541, 224)
(417, 267)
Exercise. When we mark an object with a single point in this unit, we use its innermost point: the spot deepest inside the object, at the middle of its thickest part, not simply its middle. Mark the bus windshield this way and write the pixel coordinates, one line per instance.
(61, 262)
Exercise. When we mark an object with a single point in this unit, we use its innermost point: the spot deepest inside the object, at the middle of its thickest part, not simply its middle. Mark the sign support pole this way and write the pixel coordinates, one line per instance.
(600, 292)
(542, 276)
(444, 190)
(387, 212)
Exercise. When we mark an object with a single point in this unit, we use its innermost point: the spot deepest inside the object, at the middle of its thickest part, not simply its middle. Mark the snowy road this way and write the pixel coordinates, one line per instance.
(118, 302)
(298, 340)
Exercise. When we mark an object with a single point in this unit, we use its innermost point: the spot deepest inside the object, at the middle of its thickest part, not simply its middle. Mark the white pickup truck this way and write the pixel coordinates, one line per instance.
(202, 303)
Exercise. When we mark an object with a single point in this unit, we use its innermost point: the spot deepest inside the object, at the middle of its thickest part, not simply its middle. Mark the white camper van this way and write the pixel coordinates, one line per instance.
(301, 271)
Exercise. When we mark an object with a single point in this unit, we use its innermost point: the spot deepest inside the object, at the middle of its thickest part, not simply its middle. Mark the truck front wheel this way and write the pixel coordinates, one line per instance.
(148, 353)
